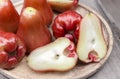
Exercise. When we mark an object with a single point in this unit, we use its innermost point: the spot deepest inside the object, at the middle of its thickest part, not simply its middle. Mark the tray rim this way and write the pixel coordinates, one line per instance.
(101, 63)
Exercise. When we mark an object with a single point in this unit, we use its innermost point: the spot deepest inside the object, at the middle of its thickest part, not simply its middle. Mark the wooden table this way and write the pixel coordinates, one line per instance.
(111, 69)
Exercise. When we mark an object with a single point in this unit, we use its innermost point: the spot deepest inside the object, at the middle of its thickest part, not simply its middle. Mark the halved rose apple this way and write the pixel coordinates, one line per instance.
(91, 45)
(59, 55)
(62, 5)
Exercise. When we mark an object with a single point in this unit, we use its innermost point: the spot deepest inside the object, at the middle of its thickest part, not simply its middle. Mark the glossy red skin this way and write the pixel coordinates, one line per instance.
(93, 56)
(70, 37)
(75, 3)
(10, 46)
(43, 7)
(62, 7)
(9, 18)
(33, 30)
(3, 58)
(72, 50)
(67, 23)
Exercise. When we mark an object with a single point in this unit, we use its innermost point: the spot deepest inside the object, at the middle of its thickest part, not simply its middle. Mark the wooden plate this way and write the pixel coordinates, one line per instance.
(22, 71)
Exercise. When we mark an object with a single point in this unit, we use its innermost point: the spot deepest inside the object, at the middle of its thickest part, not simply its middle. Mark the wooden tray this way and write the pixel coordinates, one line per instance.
(80, 71)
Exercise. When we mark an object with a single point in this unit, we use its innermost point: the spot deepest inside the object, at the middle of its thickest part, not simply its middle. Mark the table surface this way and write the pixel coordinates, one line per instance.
(111, 69)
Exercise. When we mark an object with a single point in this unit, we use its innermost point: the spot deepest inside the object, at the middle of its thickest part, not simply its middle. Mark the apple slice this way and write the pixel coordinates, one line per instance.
(91, 46)
(62, 5)
(59, 55)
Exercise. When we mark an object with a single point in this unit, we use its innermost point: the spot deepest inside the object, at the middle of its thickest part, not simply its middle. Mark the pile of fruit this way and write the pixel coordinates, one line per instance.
(76, 37)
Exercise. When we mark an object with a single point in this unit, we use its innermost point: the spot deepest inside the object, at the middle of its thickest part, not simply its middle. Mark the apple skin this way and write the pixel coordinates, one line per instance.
(32, 29)
(9, 18)
(43, 7)
(63, 5)
(59, 55)
(66, 24)
(12, 50)
(91, 46)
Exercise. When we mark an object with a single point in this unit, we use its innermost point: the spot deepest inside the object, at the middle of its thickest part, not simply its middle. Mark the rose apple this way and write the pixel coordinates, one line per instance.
(32, 29)
(62, 5)
(12, 50)
(91, 45)
(59, 55)
(43, 7)
(67, 24)
(9, 18)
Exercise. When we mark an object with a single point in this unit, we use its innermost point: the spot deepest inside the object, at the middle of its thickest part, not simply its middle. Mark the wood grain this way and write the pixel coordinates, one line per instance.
(111, 10)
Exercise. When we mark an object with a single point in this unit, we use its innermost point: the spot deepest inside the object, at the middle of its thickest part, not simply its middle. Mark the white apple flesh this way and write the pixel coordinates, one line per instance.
(53, 57)
(91, 46)
(62, 5)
